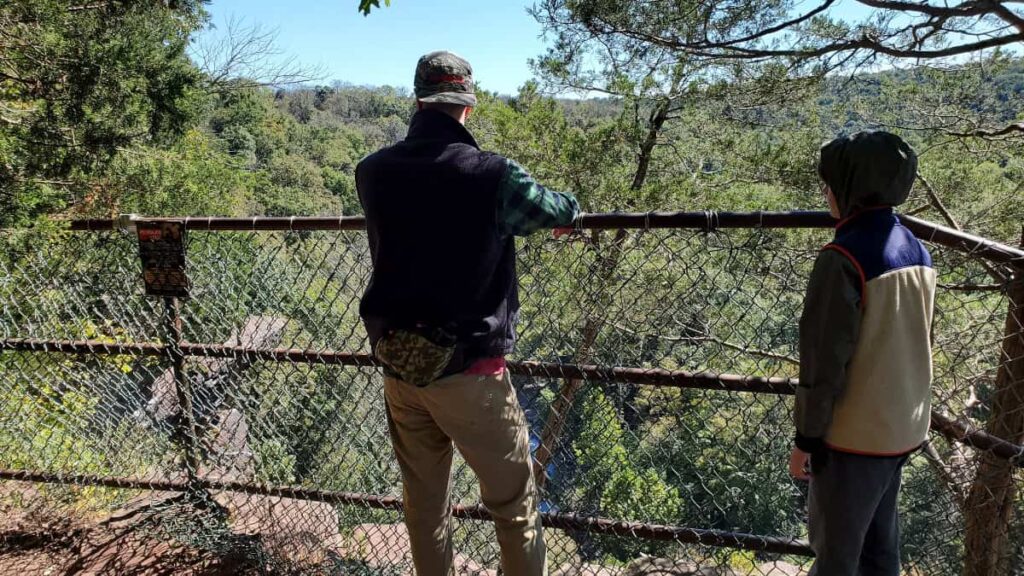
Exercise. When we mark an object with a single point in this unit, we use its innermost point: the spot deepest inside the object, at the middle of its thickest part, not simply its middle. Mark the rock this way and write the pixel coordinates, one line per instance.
(229, 455)
(386, 546)
(780, 568)
(298, 531)
(667, 567)
(211, 377)
(586, 570)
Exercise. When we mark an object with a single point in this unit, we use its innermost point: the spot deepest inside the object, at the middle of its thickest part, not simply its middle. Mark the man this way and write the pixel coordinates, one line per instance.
(441, 310)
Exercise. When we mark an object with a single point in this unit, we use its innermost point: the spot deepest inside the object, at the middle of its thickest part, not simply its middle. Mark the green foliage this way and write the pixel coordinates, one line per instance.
(43, 427)
(274, 463)
(193, 176)
(115, 122)
(611, 477)
(366, 5)
(59, 426)
(82, 83)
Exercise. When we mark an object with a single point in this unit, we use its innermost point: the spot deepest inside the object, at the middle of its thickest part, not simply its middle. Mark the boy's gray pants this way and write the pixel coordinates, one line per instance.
(854, 523)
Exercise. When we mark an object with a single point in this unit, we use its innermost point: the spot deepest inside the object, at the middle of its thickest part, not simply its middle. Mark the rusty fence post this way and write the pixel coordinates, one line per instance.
(185, 429)
(992, 495)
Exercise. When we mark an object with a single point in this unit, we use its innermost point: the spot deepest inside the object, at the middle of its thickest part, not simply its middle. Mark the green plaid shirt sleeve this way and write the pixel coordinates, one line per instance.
(524, 206)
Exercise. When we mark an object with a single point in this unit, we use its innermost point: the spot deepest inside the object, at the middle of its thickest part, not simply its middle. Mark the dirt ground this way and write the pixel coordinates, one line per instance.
(37, 541)
(149, 536)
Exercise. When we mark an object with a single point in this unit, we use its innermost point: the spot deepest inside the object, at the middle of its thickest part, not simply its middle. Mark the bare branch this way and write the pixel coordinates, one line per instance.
(954, 487)
(898, 29)
(863, 43)
(971, 8)
(84, 7)
(772, 29)
(715, 340)
(996, 275)
(1008, 16)
(1008, 130)
(246, 56)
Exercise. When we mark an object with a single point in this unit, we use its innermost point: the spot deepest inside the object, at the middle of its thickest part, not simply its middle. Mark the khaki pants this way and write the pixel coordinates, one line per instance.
(481, 416)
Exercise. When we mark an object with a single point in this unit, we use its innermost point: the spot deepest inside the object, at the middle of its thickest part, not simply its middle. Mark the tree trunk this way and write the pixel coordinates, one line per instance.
(990, 501)
(603, 272)
(552, 433)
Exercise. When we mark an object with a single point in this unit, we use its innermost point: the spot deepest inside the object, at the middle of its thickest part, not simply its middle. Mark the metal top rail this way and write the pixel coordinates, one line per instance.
(706, 220)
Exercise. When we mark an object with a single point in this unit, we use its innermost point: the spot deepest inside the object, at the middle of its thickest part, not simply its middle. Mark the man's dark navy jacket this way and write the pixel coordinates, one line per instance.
(439, 257)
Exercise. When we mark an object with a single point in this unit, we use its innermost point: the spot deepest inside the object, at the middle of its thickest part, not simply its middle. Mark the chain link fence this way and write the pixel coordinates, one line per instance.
(242, 430)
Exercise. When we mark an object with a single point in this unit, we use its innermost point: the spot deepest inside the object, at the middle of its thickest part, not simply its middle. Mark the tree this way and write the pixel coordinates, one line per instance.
(79, 82)
(659, 88)
(703, 79)
(775, 40)
(805, 36)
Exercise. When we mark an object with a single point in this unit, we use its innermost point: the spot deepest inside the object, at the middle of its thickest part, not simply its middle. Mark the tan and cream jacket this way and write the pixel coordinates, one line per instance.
(865, 340)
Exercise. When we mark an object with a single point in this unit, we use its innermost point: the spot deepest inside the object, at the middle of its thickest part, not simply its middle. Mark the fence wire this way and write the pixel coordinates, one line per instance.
(656, 369)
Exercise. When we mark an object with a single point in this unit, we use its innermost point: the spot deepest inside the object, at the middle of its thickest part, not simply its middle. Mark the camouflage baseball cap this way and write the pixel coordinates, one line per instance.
(443, 76)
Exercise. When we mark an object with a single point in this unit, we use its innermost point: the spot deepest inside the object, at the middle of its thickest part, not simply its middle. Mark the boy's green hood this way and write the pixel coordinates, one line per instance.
(868, 169)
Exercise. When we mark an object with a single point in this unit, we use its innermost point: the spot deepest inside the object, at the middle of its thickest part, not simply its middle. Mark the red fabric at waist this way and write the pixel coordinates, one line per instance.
(487, 367)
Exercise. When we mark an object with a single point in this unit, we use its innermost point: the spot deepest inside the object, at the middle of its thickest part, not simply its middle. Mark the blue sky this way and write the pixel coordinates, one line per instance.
(496, 36)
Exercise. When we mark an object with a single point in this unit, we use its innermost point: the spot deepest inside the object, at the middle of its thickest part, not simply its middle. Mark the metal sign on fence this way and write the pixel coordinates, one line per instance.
(162, 250)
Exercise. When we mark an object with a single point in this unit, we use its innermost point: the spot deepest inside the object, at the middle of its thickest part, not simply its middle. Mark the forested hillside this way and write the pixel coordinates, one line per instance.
(110, 107)
(104, 113)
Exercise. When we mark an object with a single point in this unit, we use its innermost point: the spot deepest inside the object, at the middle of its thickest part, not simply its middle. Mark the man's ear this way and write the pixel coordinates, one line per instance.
(469, 110)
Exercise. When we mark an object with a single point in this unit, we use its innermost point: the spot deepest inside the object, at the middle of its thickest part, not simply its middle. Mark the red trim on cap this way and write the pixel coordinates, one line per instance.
(447, 78)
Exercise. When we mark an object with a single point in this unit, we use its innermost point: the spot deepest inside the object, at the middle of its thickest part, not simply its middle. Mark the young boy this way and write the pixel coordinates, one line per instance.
(863, 404)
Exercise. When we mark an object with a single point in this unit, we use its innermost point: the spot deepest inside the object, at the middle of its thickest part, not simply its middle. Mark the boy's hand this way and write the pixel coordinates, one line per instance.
(799, 464)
